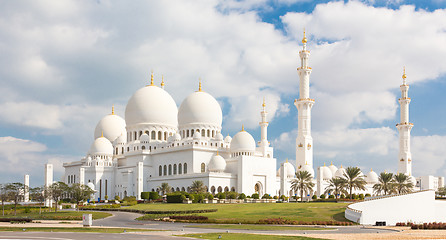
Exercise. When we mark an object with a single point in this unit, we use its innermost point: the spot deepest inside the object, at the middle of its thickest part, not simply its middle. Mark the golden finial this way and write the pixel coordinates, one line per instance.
(286, 159)
(371, 169)
(404, 73)
(331, 163)
(306, 163)
(217, 152)
(113, 109)
(162, 80)
(151, 79)
(263, 104)
(199, 85)
(304, 40)
(341, 166)
(102, 133)
(324, 164)
(243, 128)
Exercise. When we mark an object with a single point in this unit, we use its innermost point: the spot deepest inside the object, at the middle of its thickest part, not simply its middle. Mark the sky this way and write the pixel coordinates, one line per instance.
(63, 64)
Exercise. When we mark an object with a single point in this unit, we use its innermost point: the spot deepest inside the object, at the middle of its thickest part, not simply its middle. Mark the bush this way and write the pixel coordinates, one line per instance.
(361, 196)
(266, 196)
(242, 196)
(282, 221)
(322, 196)
(331, 196)
(210, 197)
(117, 198)
(354, 196)
(197, 197)
(231, 195)
(314, 197)
(145, 195)
(367, 195)
(342, 196)
(221, 195)
(154, 196)
(255, 196)
(433, 225)
(189, 217)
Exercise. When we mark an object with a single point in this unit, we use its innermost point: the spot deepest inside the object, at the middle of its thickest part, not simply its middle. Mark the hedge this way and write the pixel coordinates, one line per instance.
(16, 220)
(151, 212)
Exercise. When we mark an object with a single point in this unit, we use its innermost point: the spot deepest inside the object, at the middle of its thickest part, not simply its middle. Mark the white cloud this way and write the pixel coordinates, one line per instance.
(429, 155)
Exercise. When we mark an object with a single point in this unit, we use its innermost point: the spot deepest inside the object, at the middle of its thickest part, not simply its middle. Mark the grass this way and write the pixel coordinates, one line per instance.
(253, 212)
(257, 227)
(74, 229)
(60, 215)
(245, 236)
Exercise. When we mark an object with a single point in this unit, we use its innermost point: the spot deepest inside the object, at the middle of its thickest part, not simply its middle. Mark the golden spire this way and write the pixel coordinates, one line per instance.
(162, 80)
(243, 128)
(331, 163)
(404, 73)
(341, 166)
(102, 133)
(306, 163)
(217, 152)
(263, 104)
(371, 169)
(151, 79)
(286, 159)
(304, 40)
(199, 85)
(113, 109)
(324, 164)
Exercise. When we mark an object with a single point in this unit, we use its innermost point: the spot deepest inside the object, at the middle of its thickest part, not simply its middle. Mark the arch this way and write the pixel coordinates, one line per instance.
(258, 188)
(233, 189)
(213, 190)
(165, 170)
(153, 135)
(219, 189)
(143, 147)
(209, 133)
(148, 134)
(165, 136)
(174, 169)
(213, 133)
(153, 190)
(226, 189)
(203, 167)
(182, 189)
(173, 189)
(140, 133)
(122, 150)
(125, 193)
(178, 189)
(170, 169)
(187, 133)
(185, 168)
(191, 133)
(203, 133)
(180, 170)
(135, 135)
(188, 189)
(159, 135)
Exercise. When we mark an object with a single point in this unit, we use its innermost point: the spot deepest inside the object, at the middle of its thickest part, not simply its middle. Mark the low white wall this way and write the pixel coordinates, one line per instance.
(418, 207)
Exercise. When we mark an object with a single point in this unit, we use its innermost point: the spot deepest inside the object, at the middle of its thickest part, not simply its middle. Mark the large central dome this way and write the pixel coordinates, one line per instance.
(200, 108)
(151, 105)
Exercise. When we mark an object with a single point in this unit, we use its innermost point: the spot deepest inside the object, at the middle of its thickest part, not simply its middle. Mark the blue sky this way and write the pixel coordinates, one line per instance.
(64, 64)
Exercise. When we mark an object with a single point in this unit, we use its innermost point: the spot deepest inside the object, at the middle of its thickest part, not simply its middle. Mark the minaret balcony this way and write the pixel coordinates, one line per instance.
(304, 100)
(404, 124)
(307, 68)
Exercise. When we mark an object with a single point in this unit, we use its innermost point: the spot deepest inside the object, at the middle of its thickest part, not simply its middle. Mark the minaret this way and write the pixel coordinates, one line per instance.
(304, 141)
(264, 144)
(404, 127)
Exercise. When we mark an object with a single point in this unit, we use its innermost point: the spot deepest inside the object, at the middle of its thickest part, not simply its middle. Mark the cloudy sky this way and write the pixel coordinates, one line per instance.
(63, 64)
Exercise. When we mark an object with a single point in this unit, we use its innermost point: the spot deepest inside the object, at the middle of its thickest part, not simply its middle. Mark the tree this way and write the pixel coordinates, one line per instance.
(165, 188)
(385, 183)
(302, 183)
(80, 193)
(354, 179)
(56, 191)
(441, 191)
(15, 192)
(197, 187)
(402, 183)
(3, 196)
(336, 186)
(38, 195)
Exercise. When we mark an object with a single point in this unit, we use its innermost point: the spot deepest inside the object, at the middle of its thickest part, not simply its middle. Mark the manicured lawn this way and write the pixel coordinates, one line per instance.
(244, 236)
(60, 215)
(76, 229)
(257, 227)
(252, 212)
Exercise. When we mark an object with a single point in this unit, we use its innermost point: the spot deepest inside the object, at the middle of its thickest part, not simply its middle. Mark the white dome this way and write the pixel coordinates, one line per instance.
(111, 126)
(228, 139)
(326, 172)
(333, 169)
(89, 158)
(101, 146)
(219, 137)
(121, 139)
(413, 180)
(340, 172)
(200, 108)
(372, 177)
(90, 185)
(243, 142)
(217, 164)
(290, 172)
(177, 137)
(307, 168)
(144, 138)
(151, 105)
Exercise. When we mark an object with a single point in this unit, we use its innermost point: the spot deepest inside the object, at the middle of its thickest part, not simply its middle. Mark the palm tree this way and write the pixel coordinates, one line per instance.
(302, 183)
(402, 184)
(336, 186)
(165, 188)
(197, 187)
(354, 179)
(385, 183)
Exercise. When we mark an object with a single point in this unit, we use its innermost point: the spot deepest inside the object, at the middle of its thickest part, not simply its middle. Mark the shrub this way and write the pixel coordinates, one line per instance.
(154, 196)
(221, 195)
(367, 195)
(342, 196)
(361, 196)
(197, 197)
(117, 198)
(176, 197)
(231, 195)
(331, 196)
(354, 196)
(189, 217)
(322, 196)
(314, 197)
(27, 210)
(145, 195)
(242, 196)
(255, 196)
(210, 197)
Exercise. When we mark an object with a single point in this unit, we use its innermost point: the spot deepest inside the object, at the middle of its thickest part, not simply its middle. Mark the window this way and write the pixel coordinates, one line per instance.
(233, 189)
(219, 189)
(185, 168)
(135, 136)
(203, 168)
(180, 171)
(160, 170)
(140, 133)
(143, 147)
(203, 133)
(153, 135)
(165, 135)
(213, 190)
(187, 133)
(209, 133)
(165, 170)
(174, 169)
(170, 169)
(226, 189)
(159, 135)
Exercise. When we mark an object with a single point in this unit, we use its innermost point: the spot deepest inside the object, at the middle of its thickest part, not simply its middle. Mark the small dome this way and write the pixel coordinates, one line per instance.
(89, 158)
(307, 168)
(228, 139)
(217, 164)
(200, 108)
(151, 105)
(197, 135)
(243, 142)
(101, 146)
(326, 172)
(218, 137)
(333, 169)
(111, 127)
(291, 171)
(177, 137)
(121, 139)
(372, 177)
(90, 185)
(144, 138)
(340, 172)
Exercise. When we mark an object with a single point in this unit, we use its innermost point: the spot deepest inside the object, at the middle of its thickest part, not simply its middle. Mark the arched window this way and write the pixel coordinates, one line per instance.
(135, 136)
(188, 189)
(213, 190)
(187, 133)
(165, 170)
(219, 189)
(143, 147)
(182, 189)
(174, 169)
(173, 189)
(122, 150)
(170, 169)
(185, 168)
(148, 134)
(159, 135)
(213, 133)
(178, 189)
(192, 133)
(209, 133)
(233, 189)
(165, 135)
(203, 167)
(140, 133)
(226, 189)
(203, 133)
(153, 135)
(180, 170)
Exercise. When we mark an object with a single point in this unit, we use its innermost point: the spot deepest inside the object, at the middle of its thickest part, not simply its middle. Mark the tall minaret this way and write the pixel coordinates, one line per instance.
(304, 141)
(404, 127)
(264, 144)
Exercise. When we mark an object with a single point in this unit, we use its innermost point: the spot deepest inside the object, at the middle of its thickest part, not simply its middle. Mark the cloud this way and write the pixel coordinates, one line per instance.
(429, 155)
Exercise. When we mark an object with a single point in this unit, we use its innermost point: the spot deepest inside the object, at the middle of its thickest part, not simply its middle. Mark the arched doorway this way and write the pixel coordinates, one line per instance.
(258, 188)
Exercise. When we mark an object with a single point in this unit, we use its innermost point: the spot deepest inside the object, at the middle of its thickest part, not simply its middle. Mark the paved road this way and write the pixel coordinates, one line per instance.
(83, 236)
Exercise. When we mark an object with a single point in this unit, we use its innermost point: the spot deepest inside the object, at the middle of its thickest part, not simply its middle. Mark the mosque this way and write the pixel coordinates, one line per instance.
(157, 143)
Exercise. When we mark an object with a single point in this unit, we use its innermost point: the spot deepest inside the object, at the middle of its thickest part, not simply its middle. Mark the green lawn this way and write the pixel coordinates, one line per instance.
(244, 236)
(252, 212)
(74, 229)
(60, 215)
(257, 227)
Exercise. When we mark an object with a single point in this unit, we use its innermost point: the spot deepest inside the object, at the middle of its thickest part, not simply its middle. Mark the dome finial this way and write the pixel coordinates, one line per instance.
(287, 160)
(304, 39)
(217, 152)
(113, 109)
(263, 104)
(331, 163)
(371, 169)
(404, 75)
(162, 81)
(306, 163)
(102, 133)
(243, 128)
(151, 79)
(199, 85)
(324, 164)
